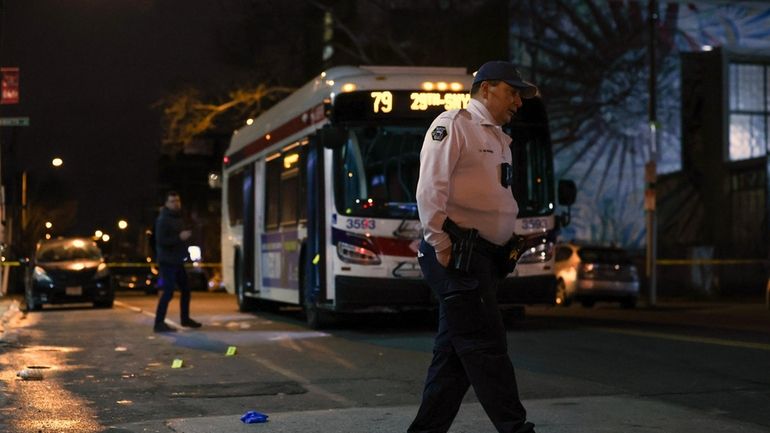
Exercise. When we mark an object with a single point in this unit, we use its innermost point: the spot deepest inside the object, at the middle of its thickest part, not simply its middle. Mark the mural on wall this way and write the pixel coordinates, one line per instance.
(590, 59)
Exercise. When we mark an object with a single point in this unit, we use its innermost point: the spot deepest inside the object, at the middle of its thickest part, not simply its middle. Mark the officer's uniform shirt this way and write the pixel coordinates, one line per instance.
(460, 177)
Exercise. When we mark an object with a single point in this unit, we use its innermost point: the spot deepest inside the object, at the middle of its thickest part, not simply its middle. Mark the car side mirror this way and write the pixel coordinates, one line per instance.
(567, 195)
(332, 137)
(567, 192)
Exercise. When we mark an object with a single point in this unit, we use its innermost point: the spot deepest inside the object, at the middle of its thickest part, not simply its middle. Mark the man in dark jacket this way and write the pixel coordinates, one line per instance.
(171, 249)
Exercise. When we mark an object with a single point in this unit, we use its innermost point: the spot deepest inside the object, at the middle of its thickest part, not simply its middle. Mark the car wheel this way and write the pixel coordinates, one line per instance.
(628, 303)
(561, 294)
(588, 303)
(32, 303)
(104, 304)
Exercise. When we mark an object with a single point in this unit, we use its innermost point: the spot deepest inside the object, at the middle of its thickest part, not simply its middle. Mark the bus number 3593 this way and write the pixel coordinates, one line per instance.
(360, 223)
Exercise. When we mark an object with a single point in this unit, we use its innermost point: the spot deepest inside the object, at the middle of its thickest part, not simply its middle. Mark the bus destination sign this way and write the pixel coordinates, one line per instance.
(396, 104)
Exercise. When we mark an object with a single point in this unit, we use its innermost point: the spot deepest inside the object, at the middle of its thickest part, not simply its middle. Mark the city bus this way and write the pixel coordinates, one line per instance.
(318, 205)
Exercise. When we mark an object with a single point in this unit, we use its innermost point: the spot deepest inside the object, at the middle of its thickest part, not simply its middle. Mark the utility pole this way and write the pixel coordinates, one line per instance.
(650, 169)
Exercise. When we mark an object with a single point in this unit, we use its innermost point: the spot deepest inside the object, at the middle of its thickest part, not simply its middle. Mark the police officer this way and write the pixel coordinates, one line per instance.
(465, 177)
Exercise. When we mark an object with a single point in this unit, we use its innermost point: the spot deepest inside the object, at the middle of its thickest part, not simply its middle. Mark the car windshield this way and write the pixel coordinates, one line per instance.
(68, 251)
(604, 255)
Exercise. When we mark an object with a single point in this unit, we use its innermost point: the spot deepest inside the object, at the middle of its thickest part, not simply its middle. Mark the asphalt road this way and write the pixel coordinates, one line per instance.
(105, 367)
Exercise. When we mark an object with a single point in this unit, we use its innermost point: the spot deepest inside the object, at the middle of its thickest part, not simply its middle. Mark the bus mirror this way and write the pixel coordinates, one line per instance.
(567, 192)
(332, 138)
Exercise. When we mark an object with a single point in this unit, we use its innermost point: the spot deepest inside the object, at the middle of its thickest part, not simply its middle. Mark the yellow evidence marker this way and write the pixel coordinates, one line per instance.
(230, 351)
(177, 363)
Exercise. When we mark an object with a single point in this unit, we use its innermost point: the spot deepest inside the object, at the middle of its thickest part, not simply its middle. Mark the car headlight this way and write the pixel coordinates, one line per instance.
(355, 254)
(539, 254)
(40, 275)
(101, 271)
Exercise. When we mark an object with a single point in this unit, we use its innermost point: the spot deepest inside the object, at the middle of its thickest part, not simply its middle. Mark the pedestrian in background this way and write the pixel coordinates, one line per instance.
(171, 241)
(465, 183)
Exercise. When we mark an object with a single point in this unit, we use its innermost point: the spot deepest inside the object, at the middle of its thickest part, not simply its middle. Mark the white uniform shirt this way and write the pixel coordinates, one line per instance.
(460, 177)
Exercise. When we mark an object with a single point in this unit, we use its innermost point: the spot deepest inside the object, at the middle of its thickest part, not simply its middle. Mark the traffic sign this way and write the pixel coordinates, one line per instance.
(14, 121)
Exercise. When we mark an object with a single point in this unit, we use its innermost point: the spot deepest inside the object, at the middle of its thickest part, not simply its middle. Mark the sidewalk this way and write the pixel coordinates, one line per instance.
(601, 414)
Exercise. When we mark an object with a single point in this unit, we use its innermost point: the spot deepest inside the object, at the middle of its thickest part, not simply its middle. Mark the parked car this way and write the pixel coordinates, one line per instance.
(68, 270)
(590, 273)
(133, 272)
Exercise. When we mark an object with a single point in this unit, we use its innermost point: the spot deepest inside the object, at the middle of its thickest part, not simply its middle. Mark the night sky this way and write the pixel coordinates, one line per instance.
(90, 72)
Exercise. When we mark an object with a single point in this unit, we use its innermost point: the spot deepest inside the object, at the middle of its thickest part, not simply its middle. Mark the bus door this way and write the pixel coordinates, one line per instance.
(314, 258)
(248, 248)
(284, 216)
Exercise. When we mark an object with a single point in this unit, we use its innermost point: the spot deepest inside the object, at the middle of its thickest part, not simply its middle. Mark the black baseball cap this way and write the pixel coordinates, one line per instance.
(505, 71)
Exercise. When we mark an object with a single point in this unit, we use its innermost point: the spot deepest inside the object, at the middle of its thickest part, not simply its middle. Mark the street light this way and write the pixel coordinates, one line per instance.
(106, 237)
(48, 224)
(57, 162)
(98, 234)
(122, 224)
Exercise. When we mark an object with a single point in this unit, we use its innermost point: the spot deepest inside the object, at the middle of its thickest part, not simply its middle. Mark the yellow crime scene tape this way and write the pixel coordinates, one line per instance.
(133, 265)
(679, 262)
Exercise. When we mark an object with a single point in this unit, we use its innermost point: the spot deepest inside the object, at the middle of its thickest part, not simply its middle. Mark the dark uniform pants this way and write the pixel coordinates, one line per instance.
(470, 349)
(172, 276)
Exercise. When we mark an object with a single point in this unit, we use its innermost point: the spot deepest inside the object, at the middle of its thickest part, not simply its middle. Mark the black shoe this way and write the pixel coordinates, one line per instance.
(163, 328)
(190, 323)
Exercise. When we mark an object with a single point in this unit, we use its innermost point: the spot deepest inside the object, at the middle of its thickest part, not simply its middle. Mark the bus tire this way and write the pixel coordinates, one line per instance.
(245, 304)
(315, 317)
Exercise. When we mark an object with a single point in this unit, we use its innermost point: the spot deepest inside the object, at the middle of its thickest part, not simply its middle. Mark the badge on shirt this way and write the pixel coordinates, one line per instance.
(439, 133)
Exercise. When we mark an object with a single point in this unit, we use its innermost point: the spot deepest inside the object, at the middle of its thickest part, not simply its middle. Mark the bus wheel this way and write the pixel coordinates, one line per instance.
(316, 318)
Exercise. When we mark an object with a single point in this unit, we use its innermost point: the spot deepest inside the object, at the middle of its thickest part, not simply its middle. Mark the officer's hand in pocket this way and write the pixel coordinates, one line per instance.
(443, 256)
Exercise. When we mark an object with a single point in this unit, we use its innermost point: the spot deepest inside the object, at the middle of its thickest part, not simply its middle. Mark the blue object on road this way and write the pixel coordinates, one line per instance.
(253, 417)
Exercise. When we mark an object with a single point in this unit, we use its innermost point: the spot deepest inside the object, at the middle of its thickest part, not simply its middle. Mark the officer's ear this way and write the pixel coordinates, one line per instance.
(484, 89)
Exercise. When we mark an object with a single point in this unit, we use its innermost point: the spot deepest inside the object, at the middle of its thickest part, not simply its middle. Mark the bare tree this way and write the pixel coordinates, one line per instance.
(187, 114)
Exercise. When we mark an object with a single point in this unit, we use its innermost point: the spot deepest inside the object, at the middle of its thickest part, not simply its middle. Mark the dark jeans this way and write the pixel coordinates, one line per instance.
(470, 349)
(172, 276)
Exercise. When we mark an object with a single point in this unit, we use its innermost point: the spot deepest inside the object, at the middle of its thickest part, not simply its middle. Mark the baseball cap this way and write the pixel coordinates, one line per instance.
(505, 71)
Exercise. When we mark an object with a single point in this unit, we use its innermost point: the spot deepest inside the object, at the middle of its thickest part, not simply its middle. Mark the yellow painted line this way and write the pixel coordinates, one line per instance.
(10, 264)
(678, 262)
(689, 339)
(141, 264)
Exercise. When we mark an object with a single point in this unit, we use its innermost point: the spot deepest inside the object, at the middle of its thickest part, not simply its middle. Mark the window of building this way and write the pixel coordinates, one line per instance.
(749, 110)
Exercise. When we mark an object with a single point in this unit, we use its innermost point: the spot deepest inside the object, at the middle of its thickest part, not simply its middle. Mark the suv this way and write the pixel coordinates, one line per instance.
(68, 270)
(589, 273)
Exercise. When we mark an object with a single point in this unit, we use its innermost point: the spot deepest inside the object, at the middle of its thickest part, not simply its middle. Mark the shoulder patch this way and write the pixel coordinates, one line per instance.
(439, 133)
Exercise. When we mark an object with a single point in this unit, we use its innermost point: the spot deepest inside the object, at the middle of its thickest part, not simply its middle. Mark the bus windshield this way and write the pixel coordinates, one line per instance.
(376, 171)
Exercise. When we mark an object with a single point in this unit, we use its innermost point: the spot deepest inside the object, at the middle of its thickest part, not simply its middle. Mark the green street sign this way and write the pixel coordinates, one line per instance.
(14, 121)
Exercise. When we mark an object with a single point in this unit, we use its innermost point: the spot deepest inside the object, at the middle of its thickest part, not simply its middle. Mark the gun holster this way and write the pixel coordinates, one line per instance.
(463, 245)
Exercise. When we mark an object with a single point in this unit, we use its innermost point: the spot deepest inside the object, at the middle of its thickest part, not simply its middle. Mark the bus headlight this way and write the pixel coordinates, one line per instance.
(539, 254)
(350, 253)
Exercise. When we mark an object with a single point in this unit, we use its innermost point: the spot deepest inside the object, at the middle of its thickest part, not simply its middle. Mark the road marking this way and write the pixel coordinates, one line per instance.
(146, 313)
(269, 365)
(304, 382)
(689, 339)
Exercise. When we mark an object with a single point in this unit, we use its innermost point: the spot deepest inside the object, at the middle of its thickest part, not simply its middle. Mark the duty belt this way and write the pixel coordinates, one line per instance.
(467, 242)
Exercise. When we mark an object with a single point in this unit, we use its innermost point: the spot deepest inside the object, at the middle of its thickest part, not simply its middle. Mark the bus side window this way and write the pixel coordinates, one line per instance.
(302, 194)
(272, 192)
(289, 188)
(235, 197)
